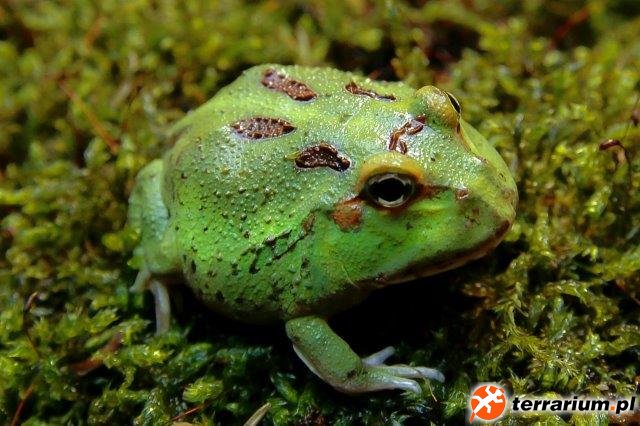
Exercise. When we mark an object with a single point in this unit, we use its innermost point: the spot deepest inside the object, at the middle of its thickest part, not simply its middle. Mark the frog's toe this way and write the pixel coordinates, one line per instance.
(410, 372)
(144, 281)
(162, 304)
(401, 370)
(379, 357)
(377, 380)
(382, 377)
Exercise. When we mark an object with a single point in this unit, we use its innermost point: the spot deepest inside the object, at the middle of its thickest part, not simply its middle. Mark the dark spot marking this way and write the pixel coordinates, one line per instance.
(322, 155)
(219, 296)
(411, 127)
(348, 214)
(352, 87)
(275, 294)
(351, 374)
(183, 175)
(270, 241)
(274, 247)
(262, 127)
(381, 280)
(296, 90)
(307, 223)
(462, 193)
(193, 267)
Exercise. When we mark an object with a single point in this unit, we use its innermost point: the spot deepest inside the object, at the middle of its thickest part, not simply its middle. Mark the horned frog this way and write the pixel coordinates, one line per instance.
(296, 191)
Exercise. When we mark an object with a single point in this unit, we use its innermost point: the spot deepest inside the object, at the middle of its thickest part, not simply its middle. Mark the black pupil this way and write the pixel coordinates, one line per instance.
(391, 189)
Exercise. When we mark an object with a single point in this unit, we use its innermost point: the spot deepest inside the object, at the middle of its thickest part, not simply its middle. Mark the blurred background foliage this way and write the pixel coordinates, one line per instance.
(87, 91)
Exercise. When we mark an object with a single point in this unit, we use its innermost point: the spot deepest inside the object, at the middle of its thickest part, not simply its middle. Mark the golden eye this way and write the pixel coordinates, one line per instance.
(390, 190)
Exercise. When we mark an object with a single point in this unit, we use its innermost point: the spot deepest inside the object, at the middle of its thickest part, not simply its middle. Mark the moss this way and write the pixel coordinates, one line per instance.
(87, 93)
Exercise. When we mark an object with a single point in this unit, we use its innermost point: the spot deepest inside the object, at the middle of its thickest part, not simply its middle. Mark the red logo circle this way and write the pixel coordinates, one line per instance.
(488, 402)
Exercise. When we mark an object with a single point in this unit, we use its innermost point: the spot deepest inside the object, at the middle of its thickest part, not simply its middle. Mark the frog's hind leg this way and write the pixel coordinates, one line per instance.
(331, 358)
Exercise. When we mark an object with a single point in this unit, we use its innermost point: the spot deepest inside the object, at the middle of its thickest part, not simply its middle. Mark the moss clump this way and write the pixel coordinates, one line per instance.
(87, 92)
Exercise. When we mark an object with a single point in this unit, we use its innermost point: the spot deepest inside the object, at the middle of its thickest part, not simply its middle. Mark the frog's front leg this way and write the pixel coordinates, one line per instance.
(158, 288)
(331, 359)
(149, 216)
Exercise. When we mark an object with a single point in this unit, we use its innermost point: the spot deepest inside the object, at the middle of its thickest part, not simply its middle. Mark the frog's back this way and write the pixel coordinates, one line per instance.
(255, 169)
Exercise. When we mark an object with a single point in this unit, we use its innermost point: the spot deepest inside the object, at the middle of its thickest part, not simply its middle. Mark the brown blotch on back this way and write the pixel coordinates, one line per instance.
(411, 127)
(262, 127)
(322, 155)
(352, 87)
(296, 90)
(348, 214)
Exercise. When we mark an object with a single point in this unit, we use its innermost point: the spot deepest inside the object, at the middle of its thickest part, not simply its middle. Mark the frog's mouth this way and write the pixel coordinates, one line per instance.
(420, 270)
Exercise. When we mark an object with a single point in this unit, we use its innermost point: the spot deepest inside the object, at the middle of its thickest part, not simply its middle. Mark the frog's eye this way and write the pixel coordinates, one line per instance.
(454, 102)
(390, 189)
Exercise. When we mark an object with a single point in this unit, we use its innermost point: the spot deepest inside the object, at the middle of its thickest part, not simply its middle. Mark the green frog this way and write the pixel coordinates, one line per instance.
(296, 191)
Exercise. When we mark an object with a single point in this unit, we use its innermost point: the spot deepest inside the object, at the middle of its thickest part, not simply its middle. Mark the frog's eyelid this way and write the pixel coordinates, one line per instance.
(454, 102)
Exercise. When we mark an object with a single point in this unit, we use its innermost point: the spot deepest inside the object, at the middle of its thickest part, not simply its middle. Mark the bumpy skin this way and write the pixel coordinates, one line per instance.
(263, 203)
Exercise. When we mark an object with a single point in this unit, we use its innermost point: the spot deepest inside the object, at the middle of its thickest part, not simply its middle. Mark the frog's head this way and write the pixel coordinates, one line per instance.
(438, 196)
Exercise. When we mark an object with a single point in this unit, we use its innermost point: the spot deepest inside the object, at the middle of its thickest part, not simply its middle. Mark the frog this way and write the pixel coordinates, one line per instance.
(296, 191)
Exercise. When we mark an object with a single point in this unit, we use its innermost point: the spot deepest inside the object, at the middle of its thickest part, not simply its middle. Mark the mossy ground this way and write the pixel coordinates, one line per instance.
(87, 91)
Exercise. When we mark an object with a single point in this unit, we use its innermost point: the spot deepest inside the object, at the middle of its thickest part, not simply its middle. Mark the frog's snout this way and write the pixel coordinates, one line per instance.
(495, 194)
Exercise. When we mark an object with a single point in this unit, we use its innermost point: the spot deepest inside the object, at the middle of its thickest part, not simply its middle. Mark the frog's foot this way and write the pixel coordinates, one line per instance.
(331, 359)
(145, 281)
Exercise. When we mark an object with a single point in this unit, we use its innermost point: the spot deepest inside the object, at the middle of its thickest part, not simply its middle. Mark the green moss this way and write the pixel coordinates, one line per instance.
(87, 93)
